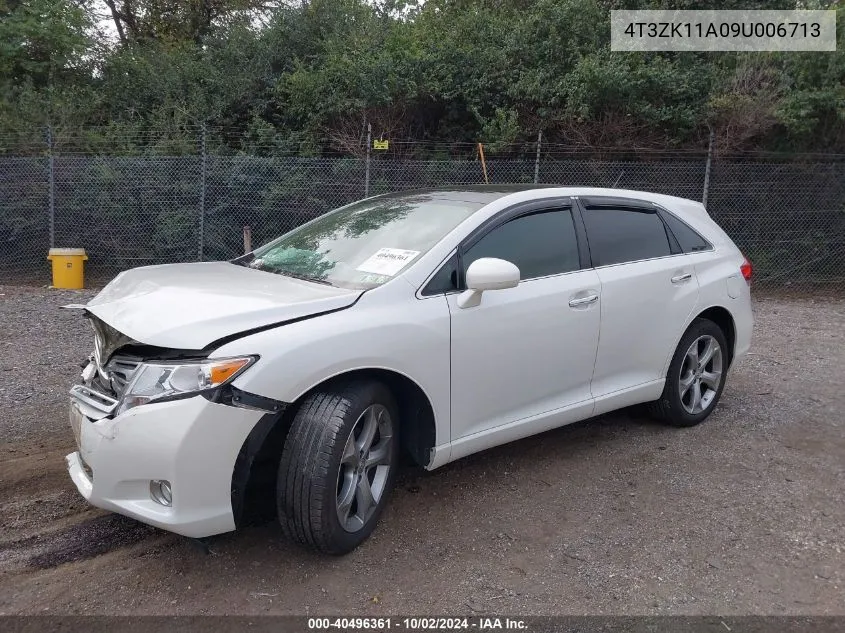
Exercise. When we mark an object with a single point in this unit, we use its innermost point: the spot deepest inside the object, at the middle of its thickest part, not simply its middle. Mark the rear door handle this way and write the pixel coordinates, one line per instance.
(582, 301)
(679, 279)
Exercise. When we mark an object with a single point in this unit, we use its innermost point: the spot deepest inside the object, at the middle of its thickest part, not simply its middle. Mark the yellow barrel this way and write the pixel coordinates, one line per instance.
(68, 267)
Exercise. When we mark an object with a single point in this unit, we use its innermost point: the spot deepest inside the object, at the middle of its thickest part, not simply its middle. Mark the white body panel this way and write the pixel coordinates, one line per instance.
(718, 282)
(301, 355)
(521, 361)
(641, 298)
(499, 378)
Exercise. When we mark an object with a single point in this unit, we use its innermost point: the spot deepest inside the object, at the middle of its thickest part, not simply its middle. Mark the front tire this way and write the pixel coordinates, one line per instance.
(696, 376)
(338, 465)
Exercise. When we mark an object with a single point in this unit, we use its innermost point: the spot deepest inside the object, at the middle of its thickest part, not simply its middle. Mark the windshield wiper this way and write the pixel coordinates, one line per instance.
(246, 260)
(243, 260)
(316, 280)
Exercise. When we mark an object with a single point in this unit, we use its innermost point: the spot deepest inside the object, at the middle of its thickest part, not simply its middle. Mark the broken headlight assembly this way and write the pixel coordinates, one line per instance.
(158, 380)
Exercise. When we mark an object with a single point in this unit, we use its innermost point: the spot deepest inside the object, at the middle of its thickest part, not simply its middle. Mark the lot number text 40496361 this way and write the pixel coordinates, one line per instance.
(417, 623)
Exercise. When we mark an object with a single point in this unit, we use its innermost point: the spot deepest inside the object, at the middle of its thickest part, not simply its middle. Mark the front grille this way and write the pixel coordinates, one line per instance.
(93, 398)
(120, 370)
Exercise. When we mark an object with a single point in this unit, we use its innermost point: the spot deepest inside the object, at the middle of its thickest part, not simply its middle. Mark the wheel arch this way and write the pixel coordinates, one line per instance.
(258, 459)
(663, 408)
(722, 317)
(417, 427)
(719, 315)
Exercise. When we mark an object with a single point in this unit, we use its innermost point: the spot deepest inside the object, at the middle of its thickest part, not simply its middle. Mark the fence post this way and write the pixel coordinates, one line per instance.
(51, 184)
(201, 237)
(537, 160)
(707, 169)
(367, 169)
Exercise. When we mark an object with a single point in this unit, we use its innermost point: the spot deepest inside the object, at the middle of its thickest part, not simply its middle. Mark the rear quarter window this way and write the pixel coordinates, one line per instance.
(688, 238)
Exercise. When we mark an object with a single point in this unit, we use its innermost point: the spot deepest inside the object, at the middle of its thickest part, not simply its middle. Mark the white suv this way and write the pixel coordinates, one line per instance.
(438, 323)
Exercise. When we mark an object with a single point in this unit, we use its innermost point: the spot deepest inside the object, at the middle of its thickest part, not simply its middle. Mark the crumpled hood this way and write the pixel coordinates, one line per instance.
(189, 306)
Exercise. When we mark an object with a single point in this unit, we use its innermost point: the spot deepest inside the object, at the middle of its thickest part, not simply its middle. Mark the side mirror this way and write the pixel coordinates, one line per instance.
(487, 273)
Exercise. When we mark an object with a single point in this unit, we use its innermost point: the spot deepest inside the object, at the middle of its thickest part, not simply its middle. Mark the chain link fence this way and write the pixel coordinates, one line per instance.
(127, 211)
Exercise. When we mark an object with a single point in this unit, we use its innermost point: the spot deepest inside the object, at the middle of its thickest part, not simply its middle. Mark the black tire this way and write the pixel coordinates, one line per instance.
(671, 408)
(310, 467)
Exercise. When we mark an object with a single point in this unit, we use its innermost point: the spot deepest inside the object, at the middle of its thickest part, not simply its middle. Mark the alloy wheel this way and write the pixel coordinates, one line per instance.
(701, 374)
(364, 467)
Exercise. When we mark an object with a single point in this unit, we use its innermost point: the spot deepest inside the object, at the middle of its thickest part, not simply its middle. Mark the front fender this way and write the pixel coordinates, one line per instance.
(411, 339)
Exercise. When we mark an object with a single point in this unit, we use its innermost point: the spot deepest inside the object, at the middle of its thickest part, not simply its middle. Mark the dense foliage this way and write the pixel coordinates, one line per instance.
(305, 77)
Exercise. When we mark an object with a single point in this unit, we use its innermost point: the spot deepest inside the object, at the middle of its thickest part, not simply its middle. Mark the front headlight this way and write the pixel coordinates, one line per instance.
(161, 380)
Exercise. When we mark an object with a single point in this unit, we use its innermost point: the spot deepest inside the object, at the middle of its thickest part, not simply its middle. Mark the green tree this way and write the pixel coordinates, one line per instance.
(46, 61)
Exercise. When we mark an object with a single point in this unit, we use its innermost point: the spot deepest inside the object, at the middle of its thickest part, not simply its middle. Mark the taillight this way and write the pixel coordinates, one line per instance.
(746, 269)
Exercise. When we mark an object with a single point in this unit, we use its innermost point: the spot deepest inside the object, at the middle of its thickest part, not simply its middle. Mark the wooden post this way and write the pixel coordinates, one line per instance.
(247, 240)
(483, 163)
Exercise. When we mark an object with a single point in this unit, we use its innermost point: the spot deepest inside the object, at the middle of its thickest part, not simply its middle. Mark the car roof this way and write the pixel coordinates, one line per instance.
(485, 194)
(479, 194)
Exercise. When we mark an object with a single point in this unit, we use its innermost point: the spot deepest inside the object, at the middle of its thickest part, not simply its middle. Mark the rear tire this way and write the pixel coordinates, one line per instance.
(696, 376)
(338, 465)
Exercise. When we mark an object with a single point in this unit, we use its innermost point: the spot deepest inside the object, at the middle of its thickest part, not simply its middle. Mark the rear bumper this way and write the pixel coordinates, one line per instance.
(192, 443)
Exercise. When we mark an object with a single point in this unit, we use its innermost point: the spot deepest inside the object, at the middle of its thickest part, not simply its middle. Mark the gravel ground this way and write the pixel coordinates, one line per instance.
(741, 515)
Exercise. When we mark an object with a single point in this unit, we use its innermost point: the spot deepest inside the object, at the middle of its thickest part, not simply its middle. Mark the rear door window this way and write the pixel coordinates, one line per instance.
(618, 235)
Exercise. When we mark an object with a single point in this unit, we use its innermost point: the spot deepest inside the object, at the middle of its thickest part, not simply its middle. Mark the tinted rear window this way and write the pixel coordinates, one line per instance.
(625, 235)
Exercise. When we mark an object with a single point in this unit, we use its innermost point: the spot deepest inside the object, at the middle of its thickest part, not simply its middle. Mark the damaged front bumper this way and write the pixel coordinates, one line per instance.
(191, 443)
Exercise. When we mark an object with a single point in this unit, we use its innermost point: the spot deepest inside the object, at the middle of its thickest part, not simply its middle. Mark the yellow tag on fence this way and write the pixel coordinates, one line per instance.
(380, 144)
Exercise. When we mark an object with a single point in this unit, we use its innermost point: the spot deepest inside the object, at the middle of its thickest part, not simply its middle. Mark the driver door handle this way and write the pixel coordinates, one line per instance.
(582, 301)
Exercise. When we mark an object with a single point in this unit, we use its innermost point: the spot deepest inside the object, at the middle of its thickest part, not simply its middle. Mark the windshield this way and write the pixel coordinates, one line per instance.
(364, 244)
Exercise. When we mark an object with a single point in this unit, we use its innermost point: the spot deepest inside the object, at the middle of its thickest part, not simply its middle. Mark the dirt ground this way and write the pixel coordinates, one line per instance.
(744, 514)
